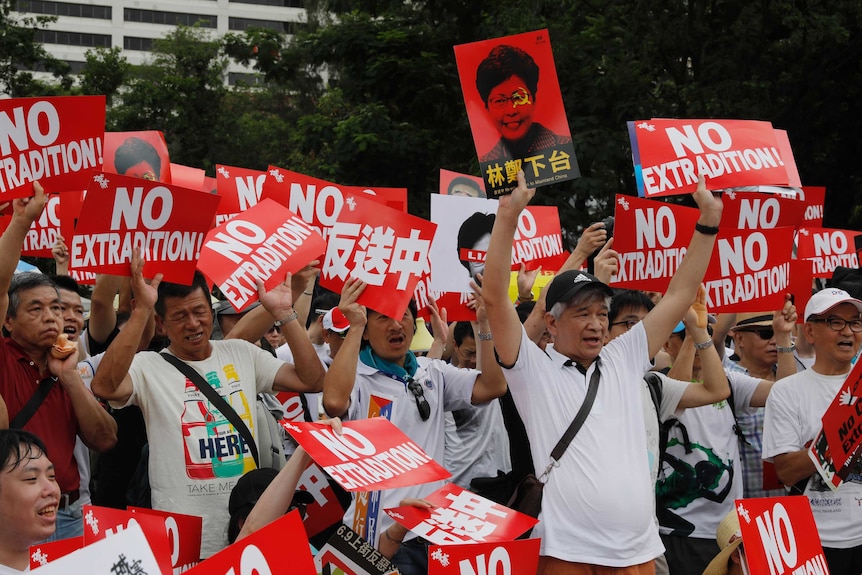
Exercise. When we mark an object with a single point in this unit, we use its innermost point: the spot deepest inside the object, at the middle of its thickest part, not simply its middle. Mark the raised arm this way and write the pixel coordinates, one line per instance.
(103, 316)
(502, 317)
(25, 211)
(783, 321)
(338, 383)
(715, 386)
(96, 428)
(60, 253)
(684, 284)
(491, 383)
(112, 380)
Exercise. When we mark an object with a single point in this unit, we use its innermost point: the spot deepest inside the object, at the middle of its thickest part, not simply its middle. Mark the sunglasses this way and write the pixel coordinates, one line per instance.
(419, 394)
(766, 333)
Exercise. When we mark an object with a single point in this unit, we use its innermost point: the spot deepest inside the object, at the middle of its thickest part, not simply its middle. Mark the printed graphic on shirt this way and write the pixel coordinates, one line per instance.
(213, 447)
(368, 502)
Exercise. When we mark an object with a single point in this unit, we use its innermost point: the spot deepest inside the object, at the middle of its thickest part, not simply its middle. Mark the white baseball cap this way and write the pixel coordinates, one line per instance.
(826, 299)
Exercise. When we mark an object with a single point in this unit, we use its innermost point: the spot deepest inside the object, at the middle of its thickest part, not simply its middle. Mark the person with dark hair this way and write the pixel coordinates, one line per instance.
(474, 234)
(195, 452)
(464, 186)
(139, 159)
(507, 81)
(375, 367)
(32, 308)
(29, 497)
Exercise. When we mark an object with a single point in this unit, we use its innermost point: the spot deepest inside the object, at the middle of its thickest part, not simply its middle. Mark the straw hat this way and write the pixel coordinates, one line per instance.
(728, 537)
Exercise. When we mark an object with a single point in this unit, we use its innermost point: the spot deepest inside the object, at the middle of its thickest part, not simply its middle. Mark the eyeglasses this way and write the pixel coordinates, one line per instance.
(837, 323)
(274, 329)
(520, 97)
(419, 394)
(341, 334)
(764, 333)
(629, 323)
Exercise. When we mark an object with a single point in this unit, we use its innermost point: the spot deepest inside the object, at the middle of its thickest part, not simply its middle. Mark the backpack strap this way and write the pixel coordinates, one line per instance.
(32, 405)
(217, 401)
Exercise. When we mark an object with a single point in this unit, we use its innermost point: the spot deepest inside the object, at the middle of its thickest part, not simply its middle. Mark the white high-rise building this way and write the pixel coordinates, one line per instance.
(132, 24)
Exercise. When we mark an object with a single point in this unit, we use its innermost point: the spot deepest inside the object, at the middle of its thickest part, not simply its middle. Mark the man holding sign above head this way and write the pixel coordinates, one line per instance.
(833, 323)
(199, 446)
(598, 505)
(376, 374)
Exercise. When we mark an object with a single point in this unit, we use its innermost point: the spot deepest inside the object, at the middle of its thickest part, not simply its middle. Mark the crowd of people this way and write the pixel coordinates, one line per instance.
(685, 411)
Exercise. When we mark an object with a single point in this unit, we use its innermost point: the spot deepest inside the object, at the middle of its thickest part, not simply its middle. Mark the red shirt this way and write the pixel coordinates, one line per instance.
(54, 422)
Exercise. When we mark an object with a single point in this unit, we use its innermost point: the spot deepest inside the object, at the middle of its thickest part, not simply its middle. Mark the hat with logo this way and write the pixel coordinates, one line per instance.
(826, 299)
(570, 283)
(334, 320)
(729, 538)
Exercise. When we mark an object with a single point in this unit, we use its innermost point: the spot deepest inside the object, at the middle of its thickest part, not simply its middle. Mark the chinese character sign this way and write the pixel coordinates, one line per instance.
(57, 141)
(386, 248)
(513, 557)
(346, 552)
(104, 522)
(461, 516)
(371, 454)
(44, 553)
(670, 154)
(518, 123)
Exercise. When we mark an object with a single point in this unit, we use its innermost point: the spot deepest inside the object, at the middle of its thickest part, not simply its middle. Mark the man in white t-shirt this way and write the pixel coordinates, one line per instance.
(833, 324)
(598, 500)
(196, 454)
(29, 497)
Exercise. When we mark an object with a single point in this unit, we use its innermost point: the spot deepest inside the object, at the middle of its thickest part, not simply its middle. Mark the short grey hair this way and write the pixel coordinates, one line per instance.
(26, 281)
(585, 296)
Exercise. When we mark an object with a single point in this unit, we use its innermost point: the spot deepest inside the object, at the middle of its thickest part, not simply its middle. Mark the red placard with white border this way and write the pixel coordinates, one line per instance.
(120, 213)
(760, 211)
(827, 249)
(461, 516)
(44, 553)
(184, 535)
(842, 421)
(239, 189)
(385, 248)
(57, 141)
(70, 211)
(372, 454)
(455, 303)
(319, 202)
(138, 155)
(126, 552)
(780, 536)
(669, 155)
(800, 285)
(749, 270)
(520, 556)
(263, 243)
(264, 552)
(43, 232)
(814, 198)
(649, 257)
(104, 522)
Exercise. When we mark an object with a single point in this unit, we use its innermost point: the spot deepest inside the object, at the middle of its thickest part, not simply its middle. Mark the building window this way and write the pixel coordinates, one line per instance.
(168, 18)
(73, 38)
(64, 9)
(234, 78)
(285, 3)
(76, 67)
(245, 23)
(136, 43)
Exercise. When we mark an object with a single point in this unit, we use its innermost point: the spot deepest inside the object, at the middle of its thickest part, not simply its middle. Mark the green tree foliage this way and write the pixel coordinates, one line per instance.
(105, 72)
(20, 55)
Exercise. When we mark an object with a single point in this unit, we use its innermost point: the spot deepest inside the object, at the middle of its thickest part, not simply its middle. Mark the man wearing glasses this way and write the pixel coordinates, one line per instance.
(833, 324)
(376, 375)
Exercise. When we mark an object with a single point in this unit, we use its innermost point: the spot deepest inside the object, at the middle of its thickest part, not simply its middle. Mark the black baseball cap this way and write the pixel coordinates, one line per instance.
(251, 486)
(567, 285)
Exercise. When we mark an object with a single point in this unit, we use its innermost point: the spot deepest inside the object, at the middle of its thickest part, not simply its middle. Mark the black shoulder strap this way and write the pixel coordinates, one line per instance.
(580, 417)
(737, 430)
(217, 401)
(655, 386)
(29, 409)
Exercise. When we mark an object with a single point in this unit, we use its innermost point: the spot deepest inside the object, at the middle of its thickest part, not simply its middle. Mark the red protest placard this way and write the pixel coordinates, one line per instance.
(46, 552)
(814, 198)
(749, 270)
(319, 202)
(385, 248)
(326, 509)
(457, 184)
(491, 558)
(461, 516)
(780, 536)
(346, 552)
(785, 151)
(184, 536)
(800, 285)
(43, 232)
(670, 154)
(188, 177)
(57, 141)
(239, 189)
(372, 454)
(827, 249)
(517, 123)
(102, 522)
(263, 243)
(842, 421)
(759, 211)
(120, 213)
(138, 155)
(264, 552)
(649, 256)
(454, 303)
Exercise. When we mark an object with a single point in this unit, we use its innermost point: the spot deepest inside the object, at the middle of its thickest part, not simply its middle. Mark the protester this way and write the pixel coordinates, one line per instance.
(29, 498)
(730, 558)
(599, 494)
(833, 324)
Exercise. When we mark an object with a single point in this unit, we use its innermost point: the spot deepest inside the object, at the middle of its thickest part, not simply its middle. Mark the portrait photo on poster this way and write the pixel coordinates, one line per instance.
(138, 155)
(458, 184)
(516, 111)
